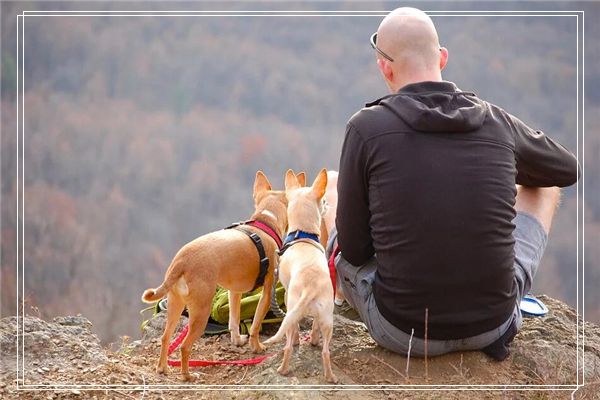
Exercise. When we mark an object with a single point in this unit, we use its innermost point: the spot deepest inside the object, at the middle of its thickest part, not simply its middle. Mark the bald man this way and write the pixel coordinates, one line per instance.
(445, 204)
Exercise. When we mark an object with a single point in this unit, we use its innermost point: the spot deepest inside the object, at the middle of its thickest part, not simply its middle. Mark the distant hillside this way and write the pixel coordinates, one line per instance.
(142, 133)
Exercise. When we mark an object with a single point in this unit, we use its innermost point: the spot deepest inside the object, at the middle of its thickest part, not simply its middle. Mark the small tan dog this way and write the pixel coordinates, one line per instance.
(227, 258)
(303, 271)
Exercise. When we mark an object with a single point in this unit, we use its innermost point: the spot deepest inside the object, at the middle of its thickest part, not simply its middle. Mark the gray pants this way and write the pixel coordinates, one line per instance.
(356, 284)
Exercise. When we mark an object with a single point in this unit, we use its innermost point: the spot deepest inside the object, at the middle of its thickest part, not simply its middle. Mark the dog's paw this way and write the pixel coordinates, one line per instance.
(188, 377)
(239, 340)
(283, 371)
(162, 370)
(257, 347)
(332, 378)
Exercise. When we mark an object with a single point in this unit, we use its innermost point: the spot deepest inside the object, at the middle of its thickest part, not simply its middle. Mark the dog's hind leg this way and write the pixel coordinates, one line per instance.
(296, 335)
(327, 332)
(199, 310)
(174, 309)
(284, 368)
(234, 319)
(314, 333)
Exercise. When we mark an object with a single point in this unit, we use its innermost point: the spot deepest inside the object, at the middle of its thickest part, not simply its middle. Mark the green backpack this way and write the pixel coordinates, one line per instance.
(220, 304)
(219, 313)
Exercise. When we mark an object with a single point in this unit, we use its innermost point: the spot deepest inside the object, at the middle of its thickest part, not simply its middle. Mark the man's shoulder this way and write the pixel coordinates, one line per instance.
(371, 118)
(499, 115)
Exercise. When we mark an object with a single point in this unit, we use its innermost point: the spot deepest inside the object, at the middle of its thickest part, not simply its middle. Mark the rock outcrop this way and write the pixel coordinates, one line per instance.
(66, 352)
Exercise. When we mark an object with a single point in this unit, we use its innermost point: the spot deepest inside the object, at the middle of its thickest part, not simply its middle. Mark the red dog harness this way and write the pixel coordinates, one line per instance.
(268, 230)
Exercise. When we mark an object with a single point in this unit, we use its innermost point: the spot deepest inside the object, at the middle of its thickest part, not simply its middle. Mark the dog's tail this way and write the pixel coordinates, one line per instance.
(152, 295)
(293, 316)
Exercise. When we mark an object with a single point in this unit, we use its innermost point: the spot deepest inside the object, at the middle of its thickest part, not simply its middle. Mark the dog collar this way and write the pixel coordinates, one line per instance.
(300, 235)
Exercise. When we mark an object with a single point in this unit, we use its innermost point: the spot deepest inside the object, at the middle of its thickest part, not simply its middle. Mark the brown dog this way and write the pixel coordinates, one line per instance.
(227, 258)
(304, 273)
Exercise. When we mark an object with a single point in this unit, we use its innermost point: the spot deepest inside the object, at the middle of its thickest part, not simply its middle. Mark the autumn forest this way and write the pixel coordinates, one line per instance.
(143, 132)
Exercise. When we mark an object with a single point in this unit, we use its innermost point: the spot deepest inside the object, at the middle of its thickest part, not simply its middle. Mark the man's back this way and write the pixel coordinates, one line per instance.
(427, 182)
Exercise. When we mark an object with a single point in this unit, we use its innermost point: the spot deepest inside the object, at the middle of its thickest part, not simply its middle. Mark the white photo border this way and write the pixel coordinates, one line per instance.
(580, 188)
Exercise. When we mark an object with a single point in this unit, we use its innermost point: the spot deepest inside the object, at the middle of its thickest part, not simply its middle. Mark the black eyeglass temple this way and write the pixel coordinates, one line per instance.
(374, 46)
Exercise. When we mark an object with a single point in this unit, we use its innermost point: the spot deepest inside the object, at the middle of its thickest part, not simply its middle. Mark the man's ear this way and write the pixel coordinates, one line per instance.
(291, 182)
(386, 69)
(320, 184)
(443, 57)
(301, 176)
(261, 184)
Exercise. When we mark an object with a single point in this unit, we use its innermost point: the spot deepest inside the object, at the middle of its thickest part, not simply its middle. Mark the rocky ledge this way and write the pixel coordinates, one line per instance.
(65, 351)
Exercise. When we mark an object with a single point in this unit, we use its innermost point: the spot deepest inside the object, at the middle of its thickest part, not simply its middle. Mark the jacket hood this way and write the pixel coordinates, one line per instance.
(436, 107)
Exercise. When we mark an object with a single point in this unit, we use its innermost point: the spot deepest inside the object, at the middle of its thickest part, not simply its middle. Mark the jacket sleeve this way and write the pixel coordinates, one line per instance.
(353, 215)
(540, 161)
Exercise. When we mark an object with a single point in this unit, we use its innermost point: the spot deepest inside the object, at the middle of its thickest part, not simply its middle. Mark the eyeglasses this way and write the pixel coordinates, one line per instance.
(373, 45)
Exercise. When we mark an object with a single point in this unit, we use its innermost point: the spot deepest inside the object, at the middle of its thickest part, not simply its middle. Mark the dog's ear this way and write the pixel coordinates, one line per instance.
(261, 184)
(301, 176)
(320, 184)
(291, 182)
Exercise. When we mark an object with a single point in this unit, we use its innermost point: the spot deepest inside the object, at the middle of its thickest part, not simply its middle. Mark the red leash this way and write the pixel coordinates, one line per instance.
(204, 363)
(331, 264)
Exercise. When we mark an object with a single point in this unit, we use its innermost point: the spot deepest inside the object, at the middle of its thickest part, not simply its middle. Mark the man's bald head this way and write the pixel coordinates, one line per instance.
(409, 37)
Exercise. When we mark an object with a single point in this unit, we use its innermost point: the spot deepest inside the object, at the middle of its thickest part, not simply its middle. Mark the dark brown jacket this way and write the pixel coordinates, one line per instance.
(427, 183)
